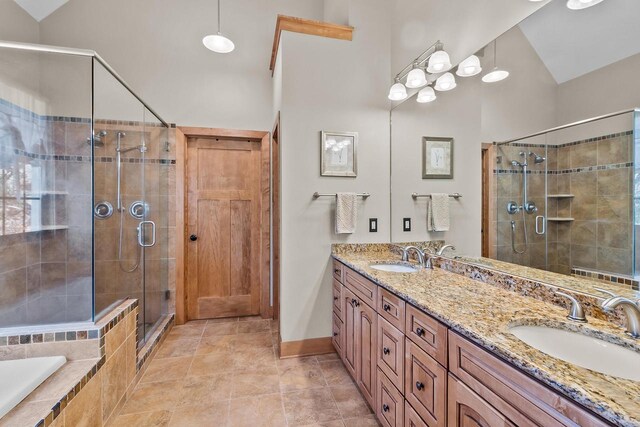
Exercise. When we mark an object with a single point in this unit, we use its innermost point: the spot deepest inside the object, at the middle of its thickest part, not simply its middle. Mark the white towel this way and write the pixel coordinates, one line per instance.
(346, 212)
(438, 212)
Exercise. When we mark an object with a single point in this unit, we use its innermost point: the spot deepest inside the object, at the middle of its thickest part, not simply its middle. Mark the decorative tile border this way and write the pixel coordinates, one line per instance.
(622, 280)
(97, 159)
(565, 171)
(156, 339)
(568, 144)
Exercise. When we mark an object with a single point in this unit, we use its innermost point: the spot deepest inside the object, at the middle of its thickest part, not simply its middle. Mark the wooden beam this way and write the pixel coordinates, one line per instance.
(255, 135)
(310, 347)
(307, 26)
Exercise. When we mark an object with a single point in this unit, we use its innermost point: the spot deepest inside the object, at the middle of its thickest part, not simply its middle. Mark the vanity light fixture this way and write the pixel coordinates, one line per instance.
(426, 95)
(496, 74)
(582, 4)
(416, 78)
(397, 92)
(445, 82)
(469, 67)
(217, 42)
(439, 62)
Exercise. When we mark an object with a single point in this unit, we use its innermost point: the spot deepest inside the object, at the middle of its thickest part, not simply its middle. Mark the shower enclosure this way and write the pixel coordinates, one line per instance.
(565, 198)
(84, 169)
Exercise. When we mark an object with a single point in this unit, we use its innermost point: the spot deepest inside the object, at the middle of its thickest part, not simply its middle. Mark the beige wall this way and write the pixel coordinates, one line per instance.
(347, 93)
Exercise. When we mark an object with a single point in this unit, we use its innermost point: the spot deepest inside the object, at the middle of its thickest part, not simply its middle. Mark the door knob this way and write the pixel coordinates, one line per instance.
(193, 237)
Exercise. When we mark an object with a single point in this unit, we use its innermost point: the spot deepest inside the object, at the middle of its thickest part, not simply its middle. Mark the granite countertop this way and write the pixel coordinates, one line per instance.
(483, 313)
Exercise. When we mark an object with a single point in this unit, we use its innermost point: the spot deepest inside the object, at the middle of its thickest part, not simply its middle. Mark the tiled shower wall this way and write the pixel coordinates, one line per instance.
(597, 172)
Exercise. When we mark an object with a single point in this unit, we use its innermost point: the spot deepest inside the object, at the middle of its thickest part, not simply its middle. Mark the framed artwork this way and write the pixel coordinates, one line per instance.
(339, 154)
(437, 158)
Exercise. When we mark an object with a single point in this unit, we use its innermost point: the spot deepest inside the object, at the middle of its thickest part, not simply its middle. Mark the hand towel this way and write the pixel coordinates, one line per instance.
(438, 212)
(346, 212)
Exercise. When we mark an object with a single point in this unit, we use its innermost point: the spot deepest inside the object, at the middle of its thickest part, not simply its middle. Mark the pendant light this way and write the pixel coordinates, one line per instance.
(426, 95)
(582, 4)
(217, 42)
(416, 78)
(496, 74)
(445, 82)
(469, 67)
(397, 92)
(439, 62)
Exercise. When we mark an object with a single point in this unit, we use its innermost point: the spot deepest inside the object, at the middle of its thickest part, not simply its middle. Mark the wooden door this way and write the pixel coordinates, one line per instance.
(366, 362)
(467, 409)
(349, 315)
(223, 228)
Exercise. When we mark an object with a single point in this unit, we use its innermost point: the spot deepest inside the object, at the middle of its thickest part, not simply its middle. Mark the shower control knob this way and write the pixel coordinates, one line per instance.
(193, 237)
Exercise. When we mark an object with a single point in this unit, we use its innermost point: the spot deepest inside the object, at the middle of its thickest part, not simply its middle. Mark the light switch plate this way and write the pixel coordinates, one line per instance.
(406, 224)
(373, 225)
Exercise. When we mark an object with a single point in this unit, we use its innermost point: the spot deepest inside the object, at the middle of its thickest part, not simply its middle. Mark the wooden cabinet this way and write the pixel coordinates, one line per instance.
(411, 417)
(389, 403)
(362, 287)
(390, 352)
(425, 385)
(338, 335)
(366, 328)
(350, 318)
(337, 298)
(429, 334)
(391, 308)
(467, 409)
(338, 271)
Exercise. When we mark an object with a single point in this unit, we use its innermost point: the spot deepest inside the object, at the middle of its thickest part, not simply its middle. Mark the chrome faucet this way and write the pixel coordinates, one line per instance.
(415, 249)
(442, 249)
(631, 311)
(576, 312)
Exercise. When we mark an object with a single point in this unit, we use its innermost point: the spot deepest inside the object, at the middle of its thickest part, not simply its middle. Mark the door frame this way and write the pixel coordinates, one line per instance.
(183, 133)
(488, 233)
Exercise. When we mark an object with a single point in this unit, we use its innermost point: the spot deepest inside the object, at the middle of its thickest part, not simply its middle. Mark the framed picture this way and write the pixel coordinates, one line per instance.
(339, 154)
(437, 158)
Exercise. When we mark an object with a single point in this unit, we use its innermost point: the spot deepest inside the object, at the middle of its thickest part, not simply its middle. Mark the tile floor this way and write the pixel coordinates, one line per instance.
(225, 372)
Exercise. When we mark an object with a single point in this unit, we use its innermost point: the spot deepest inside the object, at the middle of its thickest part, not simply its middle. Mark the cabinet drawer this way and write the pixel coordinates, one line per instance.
(338, 271)
(467, 408)
(425, 385)
(362, 287)
(411, 417)
(350, 318)
(523, 400)
(391, 352)
(389, 404)
(337, 298)
(338, 335)
(391, 308)
(429, 334)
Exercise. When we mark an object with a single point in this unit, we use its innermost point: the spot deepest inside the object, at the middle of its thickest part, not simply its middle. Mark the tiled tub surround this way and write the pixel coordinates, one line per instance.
(598, 172)
(86, 390)
(483, 313)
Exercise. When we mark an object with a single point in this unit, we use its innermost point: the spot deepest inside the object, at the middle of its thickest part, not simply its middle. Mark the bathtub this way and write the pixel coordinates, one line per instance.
(20, 377)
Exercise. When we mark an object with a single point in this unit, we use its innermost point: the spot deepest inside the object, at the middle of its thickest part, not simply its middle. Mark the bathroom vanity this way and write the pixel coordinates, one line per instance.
(433, 348)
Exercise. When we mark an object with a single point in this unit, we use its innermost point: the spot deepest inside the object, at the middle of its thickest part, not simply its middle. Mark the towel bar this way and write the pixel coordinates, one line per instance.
(454, 195)
(316, 195)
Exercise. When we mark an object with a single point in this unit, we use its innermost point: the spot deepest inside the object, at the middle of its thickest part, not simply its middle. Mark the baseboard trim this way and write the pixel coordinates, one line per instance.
(310, 347)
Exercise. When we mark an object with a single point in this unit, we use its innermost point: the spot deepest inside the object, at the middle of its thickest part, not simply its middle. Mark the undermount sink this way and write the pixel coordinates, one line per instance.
(394, 268)
(582, 350)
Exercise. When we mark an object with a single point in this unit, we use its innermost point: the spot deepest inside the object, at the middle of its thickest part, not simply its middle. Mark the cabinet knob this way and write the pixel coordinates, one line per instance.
(335, 334)
(336, 270)
(335, 298)
(419, 386)
(193, 237)
(386, 307)
(355, 303)
(420, 332)
(385, 350)
(385, 407)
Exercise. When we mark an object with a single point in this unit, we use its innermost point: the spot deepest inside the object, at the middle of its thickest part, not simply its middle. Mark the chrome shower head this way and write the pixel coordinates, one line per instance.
(97, 139)
(536, 158)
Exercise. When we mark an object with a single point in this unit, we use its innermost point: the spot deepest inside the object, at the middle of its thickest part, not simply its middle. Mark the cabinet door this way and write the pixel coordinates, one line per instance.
(338, 335)
(350, 315)
(389, 403)
(429, 334)
(467, 409)
(391, 308)
(425, 385)
(366, 328)
(338, 301)
(391, 352)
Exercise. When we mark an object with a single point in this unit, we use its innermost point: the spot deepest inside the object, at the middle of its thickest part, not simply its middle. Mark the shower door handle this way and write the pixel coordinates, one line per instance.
(541, 229)
(141, 239)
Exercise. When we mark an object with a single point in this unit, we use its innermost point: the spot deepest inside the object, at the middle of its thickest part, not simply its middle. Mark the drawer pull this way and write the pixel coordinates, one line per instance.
(355, 303)
(386, 307)
(420, 332)
(335, 334)
(335, 298)
(337, 270)
(419, 386)
(385, 350)
(385, 407)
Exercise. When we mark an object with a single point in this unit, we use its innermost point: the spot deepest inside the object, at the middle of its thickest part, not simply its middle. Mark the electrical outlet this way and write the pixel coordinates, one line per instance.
(373, 225)
(406, 224)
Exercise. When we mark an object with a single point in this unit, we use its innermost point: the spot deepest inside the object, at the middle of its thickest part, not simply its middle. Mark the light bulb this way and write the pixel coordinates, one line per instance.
(495, 76)
(582, 4)
(218, 43)
(445, 82)
(426, 95)
(397, 92)
(416, 78)
(439, 62)
(469, 67)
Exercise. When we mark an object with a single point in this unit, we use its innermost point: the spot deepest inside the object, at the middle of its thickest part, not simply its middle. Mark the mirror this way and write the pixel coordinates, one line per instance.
(556, 206)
